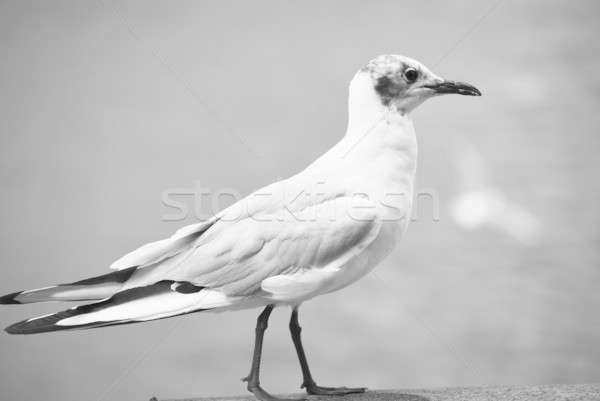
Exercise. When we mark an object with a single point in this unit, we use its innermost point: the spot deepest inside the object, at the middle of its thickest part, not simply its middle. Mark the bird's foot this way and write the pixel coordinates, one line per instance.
(314, 389)
(262, 395)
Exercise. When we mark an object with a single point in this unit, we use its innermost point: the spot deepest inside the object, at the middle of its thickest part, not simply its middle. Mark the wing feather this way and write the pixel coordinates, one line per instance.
(155, 251)
(263, 246)
(237, 257)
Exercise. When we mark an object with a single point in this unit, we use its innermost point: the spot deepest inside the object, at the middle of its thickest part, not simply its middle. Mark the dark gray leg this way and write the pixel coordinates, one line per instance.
(253, 378)
(308, 382)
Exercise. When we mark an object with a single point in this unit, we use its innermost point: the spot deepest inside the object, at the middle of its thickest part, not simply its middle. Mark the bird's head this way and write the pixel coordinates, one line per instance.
(403, 83)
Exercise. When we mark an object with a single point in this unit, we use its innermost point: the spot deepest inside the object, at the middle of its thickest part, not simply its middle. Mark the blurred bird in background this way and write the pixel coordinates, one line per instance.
(311, 234)
(480, 204)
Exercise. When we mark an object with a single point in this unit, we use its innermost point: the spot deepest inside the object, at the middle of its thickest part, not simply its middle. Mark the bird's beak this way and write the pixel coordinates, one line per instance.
(444, 87)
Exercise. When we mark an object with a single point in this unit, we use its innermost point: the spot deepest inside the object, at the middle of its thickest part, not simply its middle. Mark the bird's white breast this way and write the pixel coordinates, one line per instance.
(382, 166)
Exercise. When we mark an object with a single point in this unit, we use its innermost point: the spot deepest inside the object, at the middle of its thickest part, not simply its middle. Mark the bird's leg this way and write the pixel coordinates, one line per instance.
(253, 378)
(308, 382)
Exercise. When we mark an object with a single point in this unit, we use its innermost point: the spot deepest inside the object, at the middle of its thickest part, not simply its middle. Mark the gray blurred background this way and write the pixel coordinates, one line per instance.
(104, 105)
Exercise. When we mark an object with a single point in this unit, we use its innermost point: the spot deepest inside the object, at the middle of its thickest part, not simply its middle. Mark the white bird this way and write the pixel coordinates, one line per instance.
(311, 234)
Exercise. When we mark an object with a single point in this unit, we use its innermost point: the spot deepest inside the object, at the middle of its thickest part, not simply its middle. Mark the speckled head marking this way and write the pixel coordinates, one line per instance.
(404, 83)
(386, 72)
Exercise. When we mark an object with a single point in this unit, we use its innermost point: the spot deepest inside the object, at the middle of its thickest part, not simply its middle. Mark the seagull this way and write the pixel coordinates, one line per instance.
(311, 234)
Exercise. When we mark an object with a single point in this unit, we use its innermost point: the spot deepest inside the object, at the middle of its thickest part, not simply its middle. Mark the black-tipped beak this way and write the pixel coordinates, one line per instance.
(460, 88)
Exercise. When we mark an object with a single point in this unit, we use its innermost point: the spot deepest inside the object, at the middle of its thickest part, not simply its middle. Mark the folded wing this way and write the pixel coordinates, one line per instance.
(287, 254)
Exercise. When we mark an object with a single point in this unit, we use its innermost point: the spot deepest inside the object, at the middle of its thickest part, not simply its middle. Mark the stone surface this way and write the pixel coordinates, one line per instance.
(574, 392)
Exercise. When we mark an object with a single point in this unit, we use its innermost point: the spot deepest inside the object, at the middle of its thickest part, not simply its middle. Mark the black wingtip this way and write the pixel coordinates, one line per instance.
(10, 299)
(42, 324)
(16, 328)
(31, 327)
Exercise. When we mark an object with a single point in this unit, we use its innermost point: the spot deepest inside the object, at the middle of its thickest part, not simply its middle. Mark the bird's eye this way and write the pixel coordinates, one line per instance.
(411, 75)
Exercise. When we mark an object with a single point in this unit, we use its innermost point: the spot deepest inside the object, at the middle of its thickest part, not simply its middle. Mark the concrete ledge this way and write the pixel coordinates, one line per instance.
(573, 392)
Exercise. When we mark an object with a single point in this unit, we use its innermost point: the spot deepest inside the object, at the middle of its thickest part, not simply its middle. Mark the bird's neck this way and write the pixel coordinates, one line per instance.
(379, 140)
(386, 145)
(365, 108)
(379, 151)
(375, 128)
(376, 157)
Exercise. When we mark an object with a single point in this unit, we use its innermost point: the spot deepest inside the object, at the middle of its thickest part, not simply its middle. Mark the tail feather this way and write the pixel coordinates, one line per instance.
(160, 300)
(90, 289)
